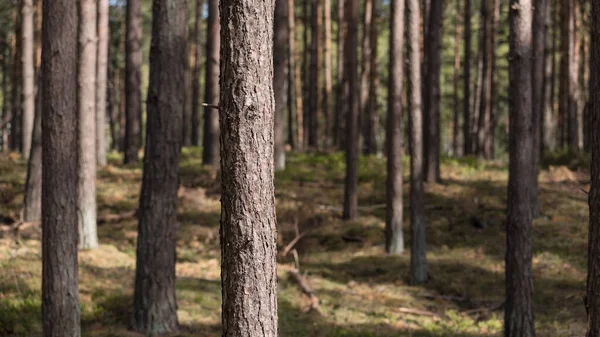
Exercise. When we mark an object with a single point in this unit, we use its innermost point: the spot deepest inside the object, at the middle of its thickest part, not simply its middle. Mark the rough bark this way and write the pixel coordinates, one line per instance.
(341, 83)
(28, 70)
(518, 315)
(593, 276)
(394, 235)
(280, 79)
(537, 89)
(351, 70)
(210, 154)
(432, 95)
(60, 291)
(133, 73)
(365, 112)
(101, 80)
(314, 75)
(455, 84)
(196, 104)
(418, 260)
(467, 144)
(86, 160)
(248, 222)
(155, 305)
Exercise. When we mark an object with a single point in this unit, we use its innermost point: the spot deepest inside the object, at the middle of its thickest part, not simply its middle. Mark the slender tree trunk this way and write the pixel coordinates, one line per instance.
(433, 49)
(518, 315)
(455, 83)
(15, 124)
(27, 61)
(467, 144)
(585, 76)
(279, 79)
(418, 260)
(210, 155)
(328, 74)
(155, 305)
(365, 113)
(60, 290)
(313, 84)
(101, 78)
(133, 106)
(549, 95)
(537, 90)
(341, 83)
(351, 70)
(86, 160)
(394, 235)
(487, 51)
(291, 71)
(5, 93)
(297, 77)
(197, 44)
(573, 130)
(479, 74)
(372, 109)
(248, 248)
(113, 108)
(592, 300)
(303, 128)
(489, 146)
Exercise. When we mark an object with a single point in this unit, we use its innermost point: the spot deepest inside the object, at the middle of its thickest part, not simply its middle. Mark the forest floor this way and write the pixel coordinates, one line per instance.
(361, 290)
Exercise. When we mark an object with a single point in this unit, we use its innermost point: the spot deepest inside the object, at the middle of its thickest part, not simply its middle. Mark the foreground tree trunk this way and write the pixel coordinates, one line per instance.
(133, 77)
(432, 95)
(155, 305)
(518, 314)
(467, 144)
(210, 154)
(351, 70)
(86, 202)
(394, 235)
(248, 248)
(196, 74)
(27, 61)
(592, 302)
(280, 79)
(101, 80)
(418, 259)
(60, 290)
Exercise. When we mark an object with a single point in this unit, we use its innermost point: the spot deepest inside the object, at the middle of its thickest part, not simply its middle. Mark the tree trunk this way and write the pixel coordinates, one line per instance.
(248, 248)
(313, 84)
(574, 89)
(489, 146)
(32, 200)
(549, 124)
(291, 71)
(455, 83)
(341, 83)
(303, 128)
(485, 103)
(351, 70)
(537, 90)
(15, 124)
(432, 95)
(518, 315)
(365, 113)
(280, 79)
(27, 61)
(592, 302)
(155, 305)
(6, 110)
(60, 290)
(372, 108)
(133, 107)
(585, 77)
(197, 44)
(328, 75)
(113, 107)
(467, 80)
(478, 87)
(101, 75)
(418, 260)
(394, 236)
(210, 155)
(297, 79)
(86, 160)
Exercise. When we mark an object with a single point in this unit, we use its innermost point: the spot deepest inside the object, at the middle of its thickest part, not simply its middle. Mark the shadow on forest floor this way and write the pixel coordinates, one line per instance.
(362, 291)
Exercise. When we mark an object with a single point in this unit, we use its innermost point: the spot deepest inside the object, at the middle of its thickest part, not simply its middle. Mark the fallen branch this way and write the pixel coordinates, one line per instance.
(212, 106)
(416, 312)
(290, 245)
(314, 300)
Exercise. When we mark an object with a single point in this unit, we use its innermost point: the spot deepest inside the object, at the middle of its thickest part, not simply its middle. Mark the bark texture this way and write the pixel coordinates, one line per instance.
(155, 305)
(280, 58)
(418, 259)
(27, 62)
(60, 291)
(86, 160)
(210, 155)
(248, 222)
(101, 81)
(133, 78)
(518, 314)
(394, 235)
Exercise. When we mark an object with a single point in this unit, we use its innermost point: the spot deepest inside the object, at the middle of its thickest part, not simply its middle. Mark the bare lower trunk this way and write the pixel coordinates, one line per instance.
(60, 290)
(279, 79)
(133, 106)
(101, 80)
(418, 260)
(248, 247)
(27, 61)
(518, 314)
(210, 155)
(394, 235)
(155, 305)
